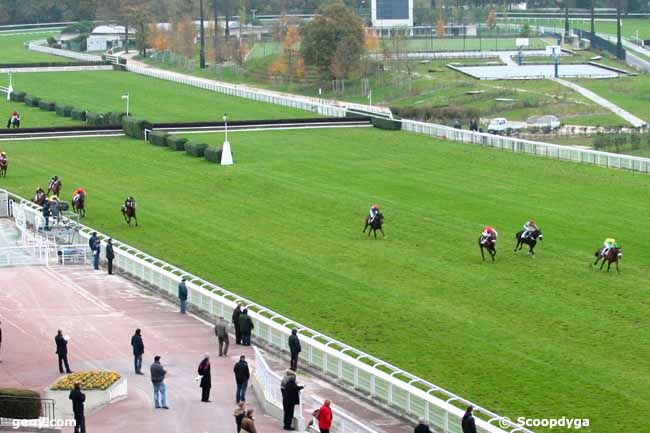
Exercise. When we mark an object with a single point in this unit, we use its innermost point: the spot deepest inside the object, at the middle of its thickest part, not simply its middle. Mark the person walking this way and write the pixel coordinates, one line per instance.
(158, 379)
(110, 255)
(240, 413)
(294, 348)
(248, 423)
(78, 399)
(221, 331)
(62, 352)
(138, 351)
(182, 296)
(468, 424)
(242, 374)
(206, 378)
(245, 327)
(290, 398)
(422, 426)
(325, 417)
(235, 323)
(96, 254)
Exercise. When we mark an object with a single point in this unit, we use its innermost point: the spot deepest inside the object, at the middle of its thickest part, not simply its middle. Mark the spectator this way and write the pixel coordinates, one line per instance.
(182, 296)
(294, 348)
(468, 424)
(242, 374)
(206, 378)
(138, 351)
(96, 253)
(158, 379)
(46, 213)
(248, 423)
(235, 322)
(110, 255)
(92, 242)
(245, 327)
(325, 417)
(221, 331)
(290, 398)
(240, 413)
(54, 209)
(78, 399)
(62, 351)
(422, 426)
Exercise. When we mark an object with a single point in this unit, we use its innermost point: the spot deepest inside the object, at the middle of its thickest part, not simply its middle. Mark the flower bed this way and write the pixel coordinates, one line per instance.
(90, 380)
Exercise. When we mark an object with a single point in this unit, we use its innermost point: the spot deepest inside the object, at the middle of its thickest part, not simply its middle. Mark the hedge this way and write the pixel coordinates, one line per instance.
(96, 119)
(32, 100)
(176, 143)
(134, 127)
(21, 407)
(114, 118)
(78, 114)
(18, 96)
(391, 125)
(195, 148)
(47, 105)
(213, 154)
(63, 110)
(158, 138)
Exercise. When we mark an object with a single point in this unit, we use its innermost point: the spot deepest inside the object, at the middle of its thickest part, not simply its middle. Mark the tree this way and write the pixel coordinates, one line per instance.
(159, 38)
(290, 40)
(183, 42)
(335, 35)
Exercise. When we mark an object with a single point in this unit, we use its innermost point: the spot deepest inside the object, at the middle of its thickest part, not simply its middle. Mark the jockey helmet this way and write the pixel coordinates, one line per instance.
(56, 177)
(3, 154)
(375, 206)
(532, 222)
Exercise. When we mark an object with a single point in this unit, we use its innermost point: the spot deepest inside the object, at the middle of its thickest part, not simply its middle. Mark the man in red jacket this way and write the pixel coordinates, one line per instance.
(325, 417)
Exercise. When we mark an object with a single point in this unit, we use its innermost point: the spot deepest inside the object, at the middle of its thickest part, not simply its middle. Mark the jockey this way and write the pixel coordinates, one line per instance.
(3, 157)
(489, 233)
(608, 245)
(129, 202)
(374, 210)
(54, 180)
(529, 227)
(78, 193)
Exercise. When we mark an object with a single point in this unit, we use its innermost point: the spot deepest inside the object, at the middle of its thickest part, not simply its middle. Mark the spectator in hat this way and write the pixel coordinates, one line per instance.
(182, 296)
(245, 327)
(138, 351)
(206, 378)
(294, 348)
(110, 255)
(468, 423)
(235, 323)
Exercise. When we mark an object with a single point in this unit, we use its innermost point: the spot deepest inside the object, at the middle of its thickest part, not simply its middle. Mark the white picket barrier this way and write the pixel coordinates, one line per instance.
(341, 421)
(38, 46)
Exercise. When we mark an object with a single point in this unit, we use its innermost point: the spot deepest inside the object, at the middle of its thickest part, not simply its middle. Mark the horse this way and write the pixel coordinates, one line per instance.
(489, 245)
(128, 212)
(375, 225)
(39, 199)
(55, 187)
(614, 255)
(530, 240)
(3, 167)
(79, 205)
(13, 122)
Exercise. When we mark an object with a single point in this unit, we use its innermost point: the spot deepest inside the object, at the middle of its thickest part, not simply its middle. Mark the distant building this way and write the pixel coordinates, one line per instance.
(103, 38)
(392, 13)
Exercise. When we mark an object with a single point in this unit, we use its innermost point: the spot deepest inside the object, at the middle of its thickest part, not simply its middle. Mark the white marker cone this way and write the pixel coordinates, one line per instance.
(226, 154)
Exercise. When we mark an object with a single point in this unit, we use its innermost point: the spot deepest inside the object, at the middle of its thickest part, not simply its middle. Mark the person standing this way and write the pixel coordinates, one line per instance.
(235, 322)
(245, 327)
(182, 296)
(206, 378)
(248, 423)
(290, 398)
(468, 423)
(92, 242)
(62, 352)
(138, 351)
(221, 331)
(242, 374)
(78, 399)
(325, 417)
(46, 213)
(96, 255)
(422, 427)
(294, 348)
(110, 255)
(158, 379)
(240, 413)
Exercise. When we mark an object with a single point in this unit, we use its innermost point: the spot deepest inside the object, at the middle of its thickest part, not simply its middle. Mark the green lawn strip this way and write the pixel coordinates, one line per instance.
(13, 49)
(32, 117)
(630, 93)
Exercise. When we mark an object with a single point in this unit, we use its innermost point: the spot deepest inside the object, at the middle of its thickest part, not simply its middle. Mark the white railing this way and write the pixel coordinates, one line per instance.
(26, 255)
(554, 151)
(379, 380)
(341, 421)
(37, 46)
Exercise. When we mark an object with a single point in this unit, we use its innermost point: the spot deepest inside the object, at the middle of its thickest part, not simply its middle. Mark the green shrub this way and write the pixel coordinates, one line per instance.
(195, 148)
(635, 141)
(381, 123)
(18, 96)
(158, 138)
(176, 143)
(32, 100)
(23, 407)
(46, 105)
(78, 114)
(213, 154)
(96, 119)
(114, 118)
(134, 127)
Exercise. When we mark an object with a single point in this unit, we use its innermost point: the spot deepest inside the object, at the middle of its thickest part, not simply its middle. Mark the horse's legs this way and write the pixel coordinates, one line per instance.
(609, 265)
(365, 227)
(382, 232)
(136, 220)
(493, 253)
(482, 253)
(517, 246)
(602, 263)
(375, 231)
(617, 268)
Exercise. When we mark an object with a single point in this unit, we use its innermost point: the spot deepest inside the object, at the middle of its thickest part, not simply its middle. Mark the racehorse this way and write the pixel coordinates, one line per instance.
(375, 225)
(79, 204)
(3, 167)
(129, 212)
(614, 255)
(39, 198)
(13, 122)
(54, 187)
(530, 240)
(489, 245)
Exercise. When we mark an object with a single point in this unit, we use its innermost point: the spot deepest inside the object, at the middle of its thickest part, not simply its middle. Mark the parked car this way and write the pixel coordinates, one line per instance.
(500, 125)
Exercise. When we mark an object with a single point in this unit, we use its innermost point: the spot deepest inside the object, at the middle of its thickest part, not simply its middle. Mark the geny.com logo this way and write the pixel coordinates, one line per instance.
(43, 422)
(564, 422)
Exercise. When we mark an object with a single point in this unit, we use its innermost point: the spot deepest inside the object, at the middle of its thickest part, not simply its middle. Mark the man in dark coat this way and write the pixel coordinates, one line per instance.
(245, 327)
(206, 378)
(62, 352)
(158, 374)
(422, 427)
(110, 255)
(290, 398)
(235, 323)
(468, 424)
(294, 348)
(78, 399)
(182, 296)
(138, 351)
(46, 213)
(242, 374)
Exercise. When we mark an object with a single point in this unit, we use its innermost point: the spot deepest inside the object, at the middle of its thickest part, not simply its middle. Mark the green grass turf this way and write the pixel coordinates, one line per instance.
(32, 117)
(544, 337)
(628, 29)
(630, 93)
(153, 99)
(13, 50)
(460, 44)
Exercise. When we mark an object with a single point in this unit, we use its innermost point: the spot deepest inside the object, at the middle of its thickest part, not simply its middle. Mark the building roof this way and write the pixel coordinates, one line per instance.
(110, 30)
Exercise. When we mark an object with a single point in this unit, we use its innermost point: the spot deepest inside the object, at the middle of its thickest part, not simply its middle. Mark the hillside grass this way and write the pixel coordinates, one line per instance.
(13, 50)
(540, 338)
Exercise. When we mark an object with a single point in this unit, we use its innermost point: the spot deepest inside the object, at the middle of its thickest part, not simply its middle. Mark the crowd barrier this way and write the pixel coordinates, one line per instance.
(341, 421)
(37, 46)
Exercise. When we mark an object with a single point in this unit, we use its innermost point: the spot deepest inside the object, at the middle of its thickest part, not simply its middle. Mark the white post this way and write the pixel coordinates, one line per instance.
(10, 89)
(226, 153)
(370, 97)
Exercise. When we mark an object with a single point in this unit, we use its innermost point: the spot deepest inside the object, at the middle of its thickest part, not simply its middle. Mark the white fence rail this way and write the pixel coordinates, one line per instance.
(554, 151)
(341, 421)
(379, 380)
(30, 255)
(37, 46)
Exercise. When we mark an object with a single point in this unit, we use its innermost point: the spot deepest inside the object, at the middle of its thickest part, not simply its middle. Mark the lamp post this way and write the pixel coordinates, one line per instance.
(225, 124)
(128, 98)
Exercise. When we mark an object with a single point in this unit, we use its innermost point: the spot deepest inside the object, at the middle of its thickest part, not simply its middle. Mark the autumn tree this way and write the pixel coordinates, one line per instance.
(183, 41)
(159, 38)
(289, 48)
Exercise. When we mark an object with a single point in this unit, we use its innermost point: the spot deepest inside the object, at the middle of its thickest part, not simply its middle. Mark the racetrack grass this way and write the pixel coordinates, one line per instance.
(545, 337)
(13, 50)
(153, 99)
(32, 117)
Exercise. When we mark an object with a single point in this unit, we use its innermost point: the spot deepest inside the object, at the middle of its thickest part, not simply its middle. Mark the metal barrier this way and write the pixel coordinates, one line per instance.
(341, 421)
(26, 255)
(377, 379)
(45, 405)
(37, 46)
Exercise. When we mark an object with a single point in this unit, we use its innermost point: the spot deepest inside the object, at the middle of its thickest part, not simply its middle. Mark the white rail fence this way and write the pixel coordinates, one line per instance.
(379, 380)
(341, 421)
(38, 46)
(554, 151)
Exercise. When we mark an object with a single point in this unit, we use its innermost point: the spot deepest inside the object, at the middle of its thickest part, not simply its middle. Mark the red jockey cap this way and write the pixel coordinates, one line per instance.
(375, 206)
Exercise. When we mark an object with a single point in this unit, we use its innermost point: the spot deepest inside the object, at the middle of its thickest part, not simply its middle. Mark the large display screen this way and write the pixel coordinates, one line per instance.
(392, 9)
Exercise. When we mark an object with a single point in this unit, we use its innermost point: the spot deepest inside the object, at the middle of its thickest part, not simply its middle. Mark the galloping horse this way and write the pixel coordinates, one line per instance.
(54, 186)
(3, 167)
(39, 197)
(489, 244)
(13, 122)
(614, 255)
(128, 212)
(79, 202)
(375, 225)
(530, 240)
